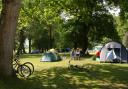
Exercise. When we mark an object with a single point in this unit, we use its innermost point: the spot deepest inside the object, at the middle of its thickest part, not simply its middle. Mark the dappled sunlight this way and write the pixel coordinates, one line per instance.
(56, 75)
(101, 77)
(61, 78)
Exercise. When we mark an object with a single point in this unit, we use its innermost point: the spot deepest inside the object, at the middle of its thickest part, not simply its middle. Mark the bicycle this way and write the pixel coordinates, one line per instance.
(24, 69)
(78, 67)
(29, 64)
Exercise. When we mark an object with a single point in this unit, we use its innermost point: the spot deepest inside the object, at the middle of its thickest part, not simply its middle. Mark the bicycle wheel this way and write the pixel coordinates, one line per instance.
(24, 71)
(30, 65)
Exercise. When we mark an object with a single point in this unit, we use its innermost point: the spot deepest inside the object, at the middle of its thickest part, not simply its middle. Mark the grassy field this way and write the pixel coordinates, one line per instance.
(56, 75)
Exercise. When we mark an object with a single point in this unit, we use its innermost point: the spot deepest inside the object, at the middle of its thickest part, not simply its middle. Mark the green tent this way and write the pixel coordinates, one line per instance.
(50, 56)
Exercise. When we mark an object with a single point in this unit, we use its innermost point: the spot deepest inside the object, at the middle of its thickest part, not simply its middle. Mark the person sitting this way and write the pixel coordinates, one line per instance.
(72, 54)
(77, 54)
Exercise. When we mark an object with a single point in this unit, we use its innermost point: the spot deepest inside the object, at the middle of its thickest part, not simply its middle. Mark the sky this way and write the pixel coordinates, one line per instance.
(115, 11)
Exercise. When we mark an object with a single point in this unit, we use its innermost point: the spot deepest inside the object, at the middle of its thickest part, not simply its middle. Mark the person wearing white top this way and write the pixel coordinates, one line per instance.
(77, 54)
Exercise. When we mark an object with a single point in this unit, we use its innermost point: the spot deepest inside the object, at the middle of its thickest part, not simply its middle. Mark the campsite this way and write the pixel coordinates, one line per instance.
(56, 75)
(63, 44)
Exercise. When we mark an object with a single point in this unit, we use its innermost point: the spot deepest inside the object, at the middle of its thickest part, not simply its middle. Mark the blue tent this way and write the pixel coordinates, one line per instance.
(50, 57)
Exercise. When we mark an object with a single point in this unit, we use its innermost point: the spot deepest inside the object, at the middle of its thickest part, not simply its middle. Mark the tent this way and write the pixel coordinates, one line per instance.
(50, 57)
(113, 52)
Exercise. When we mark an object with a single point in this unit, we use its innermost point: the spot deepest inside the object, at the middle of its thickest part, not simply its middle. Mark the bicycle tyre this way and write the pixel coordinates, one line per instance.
(24, 71)
(30, 65)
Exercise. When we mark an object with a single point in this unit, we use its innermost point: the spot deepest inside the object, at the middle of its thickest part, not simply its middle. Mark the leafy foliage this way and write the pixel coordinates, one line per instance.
(77, 22)
(125, 40)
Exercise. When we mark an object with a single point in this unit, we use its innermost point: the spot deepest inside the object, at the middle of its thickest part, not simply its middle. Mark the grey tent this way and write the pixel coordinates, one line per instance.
(113, 52)
(50, 57)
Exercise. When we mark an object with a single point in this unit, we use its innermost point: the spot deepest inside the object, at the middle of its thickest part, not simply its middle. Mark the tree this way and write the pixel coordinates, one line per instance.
(125, 40)
(8, 23)
(22, 38)
(89, 19)
(40, 21)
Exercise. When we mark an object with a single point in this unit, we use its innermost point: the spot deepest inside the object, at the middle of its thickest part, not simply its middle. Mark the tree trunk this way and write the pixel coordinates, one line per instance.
(75, 40)
(85, 44)
(84, 32)
(50, 37)
(125, 40)
(30, 45)
(21, 48)
(8, 22)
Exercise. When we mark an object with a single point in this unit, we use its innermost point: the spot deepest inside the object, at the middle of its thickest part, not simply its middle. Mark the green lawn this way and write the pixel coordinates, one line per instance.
(56, 75)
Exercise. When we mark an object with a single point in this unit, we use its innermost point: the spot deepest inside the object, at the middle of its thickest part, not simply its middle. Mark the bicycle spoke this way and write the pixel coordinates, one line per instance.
(30, 65)
(24, 71)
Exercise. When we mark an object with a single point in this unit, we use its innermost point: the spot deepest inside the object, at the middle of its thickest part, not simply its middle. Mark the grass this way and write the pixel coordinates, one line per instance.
(56, 75)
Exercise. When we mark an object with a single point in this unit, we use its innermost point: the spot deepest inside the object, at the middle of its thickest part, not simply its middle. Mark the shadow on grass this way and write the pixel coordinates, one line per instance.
(100, 77)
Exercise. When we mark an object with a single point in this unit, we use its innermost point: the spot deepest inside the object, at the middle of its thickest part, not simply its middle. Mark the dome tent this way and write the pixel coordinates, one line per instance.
(50, 57)
(113, 52)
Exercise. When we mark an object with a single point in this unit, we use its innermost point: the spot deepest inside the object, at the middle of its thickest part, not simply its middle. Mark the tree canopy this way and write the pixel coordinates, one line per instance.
(78, 22)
